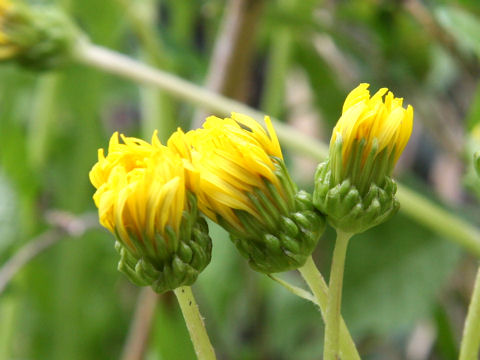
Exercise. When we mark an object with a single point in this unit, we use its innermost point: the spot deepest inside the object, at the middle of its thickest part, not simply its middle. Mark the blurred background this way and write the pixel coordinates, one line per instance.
(406, 290)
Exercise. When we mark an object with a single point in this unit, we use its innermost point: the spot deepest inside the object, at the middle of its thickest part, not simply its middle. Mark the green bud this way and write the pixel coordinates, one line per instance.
(349, 210)
(37, 36)
(354, 188)
(182, 259)
(284, 244)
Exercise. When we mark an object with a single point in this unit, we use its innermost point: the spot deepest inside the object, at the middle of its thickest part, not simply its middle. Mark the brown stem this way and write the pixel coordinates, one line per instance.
(232, 54)
(433, 28)
(64, 224)
(141, 325)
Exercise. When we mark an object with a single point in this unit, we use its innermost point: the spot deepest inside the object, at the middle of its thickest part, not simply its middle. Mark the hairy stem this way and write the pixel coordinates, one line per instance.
(196, 327)
(331, 346)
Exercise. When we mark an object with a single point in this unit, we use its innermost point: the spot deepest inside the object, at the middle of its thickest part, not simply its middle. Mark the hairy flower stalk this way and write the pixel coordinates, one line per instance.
(36, 36)
(143, 200)
(237, 171)
(354, 188)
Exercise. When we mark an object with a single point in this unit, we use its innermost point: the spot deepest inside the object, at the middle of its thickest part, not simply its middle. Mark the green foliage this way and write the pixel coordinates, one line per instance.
(394, 277)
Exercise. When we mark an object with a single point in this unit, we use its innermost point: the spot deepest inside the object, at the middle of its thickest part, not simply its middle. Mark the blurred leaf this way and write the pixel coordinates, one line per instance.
(473, 117)
(170, 334)
(294, 325)
(394, 273)
(9, 220)
(463, 25)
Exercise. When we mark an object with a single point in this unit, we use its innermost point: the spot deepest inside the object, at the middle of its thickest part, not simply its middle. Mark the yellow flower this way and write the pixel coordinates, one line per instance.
(372, 133)
(7, 49)
(140, 191)
(235, 168)
(143, 200)
(228, 160)
(353, 187)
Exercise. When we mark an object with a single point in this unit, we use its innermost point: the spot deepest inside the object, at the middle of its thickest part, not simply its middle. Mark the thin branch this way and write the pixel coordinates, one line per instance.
(423, 16)
(141, 325)
(64, 225)
(232, 55)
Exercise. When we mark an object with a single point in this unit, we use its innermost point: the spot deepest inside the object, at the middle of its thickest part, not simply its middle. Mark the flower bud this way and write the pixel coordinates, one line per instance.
(354, 186)
(37, 36)
(237, 171)
(142, 199)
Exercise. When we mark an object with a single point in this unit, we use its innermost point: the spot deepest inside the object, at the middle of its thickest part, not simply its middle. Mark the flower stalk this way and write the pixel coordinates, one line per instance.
(317, 284)
(331, 349)
(196, 327)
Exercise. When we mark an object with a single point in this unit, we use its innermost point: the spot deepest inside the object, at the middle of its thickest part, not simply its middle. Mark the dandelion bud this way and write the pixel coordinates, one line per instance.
(37, 36)
(354, 186)
(237, 171)
(142, 199)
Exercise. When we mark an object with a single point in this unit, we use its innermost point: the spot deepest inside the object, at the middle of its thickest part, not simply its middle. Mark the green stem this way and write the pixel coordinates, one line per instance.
(438, 219)
(317, 284)
(331, 344)
(457, 229)
(157, 106)
(471, 332)
(272, 101)
(196, 327)
(113, 62)
(44, 116)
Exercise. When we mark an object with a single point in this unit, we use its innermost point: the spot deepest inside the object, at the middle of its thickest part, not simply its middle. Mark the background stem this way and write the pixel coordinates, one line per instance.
(141, 325)
(331, 345)
(195, 325)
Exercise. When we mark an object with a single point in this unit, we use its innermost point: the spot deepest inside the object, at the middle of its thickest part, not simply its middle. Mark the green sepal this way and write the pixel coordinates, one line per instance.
(44, 35)
(178, 258)
(346, 209)
(287, 245)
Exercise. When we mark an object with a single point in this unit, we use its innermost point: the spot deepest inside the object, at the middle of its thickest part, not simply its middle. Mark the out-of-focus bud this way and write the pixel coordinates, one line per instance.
(36, 36)
(237, 171)
(354, 186)
(142, 199)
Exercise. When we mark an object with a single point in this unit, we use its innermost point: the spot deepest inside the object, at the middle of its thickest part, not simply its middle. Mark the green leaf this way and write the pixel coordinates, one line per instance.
(462, 25)
(394, 274)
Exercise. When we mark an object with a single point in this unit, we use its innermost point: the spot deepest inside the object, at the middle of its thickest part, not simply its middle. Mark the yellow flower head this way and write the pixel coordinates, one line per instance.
(235, 168)
(7, 48)
(140, 191)
(143, 200)
(228, 161)
(372, 133)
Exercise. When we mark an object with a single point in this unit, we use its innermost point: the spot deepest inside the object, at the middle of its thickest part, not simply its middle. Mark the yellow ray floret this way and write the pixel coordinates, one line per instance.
(226, 160)
(7, 49)
(140, 189)
(4, 5)
(380, 118)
